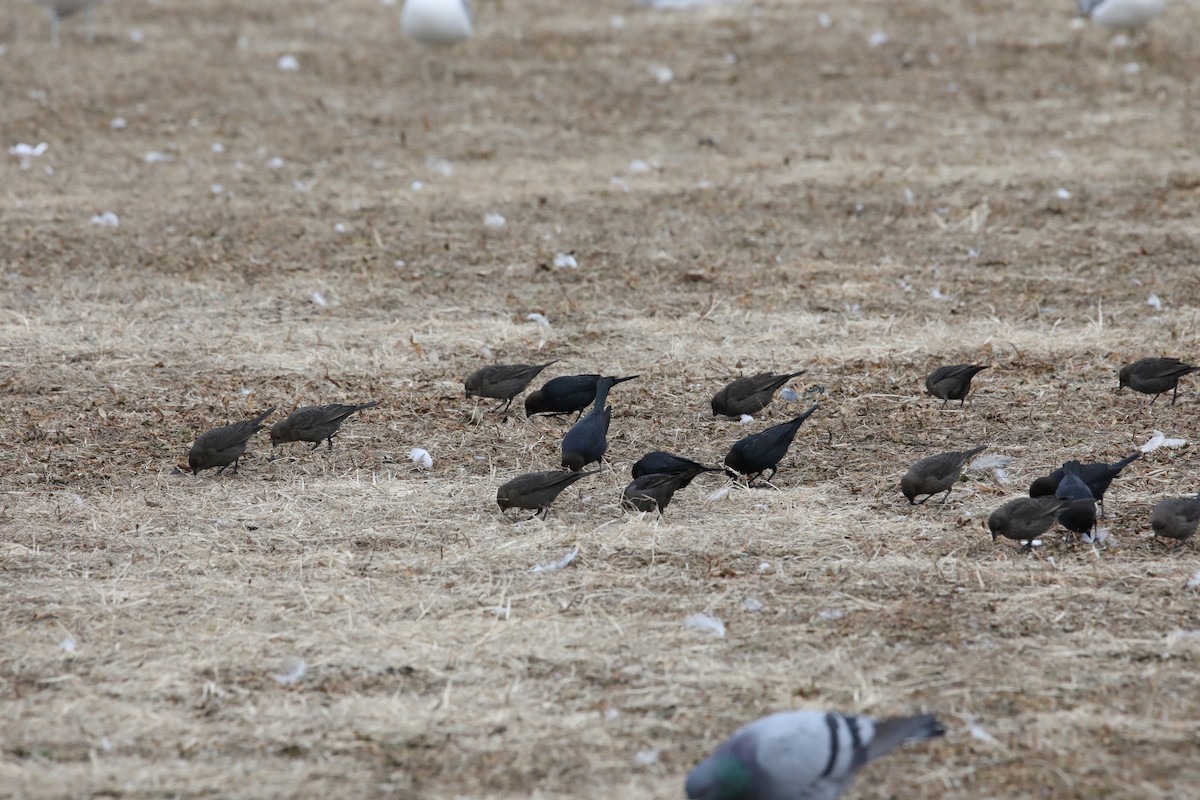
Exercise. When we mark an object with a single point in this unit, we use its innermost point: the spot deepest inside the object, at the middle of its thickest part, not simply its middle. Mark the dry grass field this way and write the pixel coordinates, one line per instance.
(918, 182)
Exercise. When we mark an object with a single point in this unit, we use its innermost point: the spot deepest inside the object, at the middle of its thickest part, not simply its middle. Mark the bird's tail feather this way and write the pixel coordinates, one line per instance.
(896, 731)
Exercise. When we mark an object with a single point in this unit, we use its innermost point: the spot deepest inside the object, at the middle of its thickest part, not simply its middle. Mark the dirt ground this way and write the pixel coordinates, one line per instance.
(863, 190)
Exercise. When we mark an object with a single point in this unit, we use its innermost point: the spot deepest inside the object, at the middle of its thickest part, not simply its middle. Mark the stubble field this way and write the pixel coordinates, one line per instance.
(917, 183)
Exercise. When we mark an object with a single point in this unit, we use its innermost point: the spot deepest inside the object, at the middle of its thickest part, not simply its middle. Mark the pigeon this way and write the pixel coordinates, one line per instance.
(1122, 15)
(314, 424)
(1025, 518)
(566, 395)
(1080, 515)
(536, 491)
(1176, 518)
(654, 491)
(660, 461)
(952, 383)
(221, 447)
(801, 755)
(58, 10)
(749, 395)
(587, 441)
(935, 474)
(759, 452)
(1096, 476)
(1154, 376)
(436, 22)
(502, 381)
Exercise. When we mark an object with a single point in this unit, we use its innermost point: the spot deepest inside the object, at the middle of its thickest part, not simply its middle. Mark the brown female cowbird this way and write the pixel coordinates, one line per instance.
(502, 381)
(314, 424)
(1096, 476)
(1025, 518)
(935, 474)
(1154, 376)
(749, 395)
(587, 441)
(654, 491)
(759, 452)
(221, 447)
(1176, 518)
(662, 462)
(566, 395)
(1080, 515)
(535, 491)
(952, 383)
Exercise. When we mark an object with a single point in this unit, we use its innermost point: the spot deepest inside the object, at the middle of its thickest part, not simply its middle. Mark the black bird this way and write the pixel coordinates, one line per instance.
(314, 424)
(1154, 376)
(502, 381)
(221, 447)
(566, 395)
(759, 452)
(660, 461)
(1176, 518)
(1025, 518)
(935, 474)
(536, 491)
(656, 489)
(587, 441)
(749, 395)
(1080, 515)
(1096, 476)
(952, 383)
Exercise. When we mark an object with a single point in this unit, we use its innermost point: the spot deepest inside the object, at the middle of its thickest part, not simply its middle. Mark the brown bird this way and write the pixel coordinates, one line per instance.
(1176, 518)
(314, 424)
(536, 491)
(1025, 518)
(654, 491)
(221, 447)
(502, 381)
(749, 395)
(1154, 376)
(935, 474)
(952, 383)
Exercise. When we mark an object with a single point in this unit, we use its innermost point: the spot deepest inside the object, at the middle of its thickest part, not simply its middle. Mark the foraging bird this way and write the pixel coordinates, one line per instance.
(314, 424)
(221, 447)
(662, 462)
(536, 491)
(801, 755)
(566, 395)
(1176, 518)
(759, 452)
(436, 22)
(654, 491)
(1122, 15)
(587, 441)
(502, 381)
(1154, 376)
(749, 395)
(58, 10)
(1096, 476)
(1025, 518)
(1080, 514)
(935, 474)
(952, 383)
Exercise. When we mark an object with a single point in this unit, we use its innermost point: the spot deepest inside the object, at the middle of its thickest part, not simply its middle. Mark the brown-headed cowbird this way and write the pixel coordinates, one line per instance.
(502, 381)
(221, 447)
(654, 491)
(587, 440)
(952, 383)
(749, 395)
(314, 424)
(1080, 515)
(759, 452)
(536, 491)
(660, 461)
(1025, 518)
(935, 474)
(1096, 476)
(566, 395)
(1176, 518)
(1154, 376)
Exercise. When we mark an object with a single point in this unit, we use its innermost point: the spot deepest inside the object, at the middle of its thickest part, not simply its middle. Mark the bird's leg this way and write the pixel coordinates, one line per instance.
(1154, 398)
(316, 444)
(1028, 546)
(772, 475)
(944, 401)
(236, 463)
(330, 440)
(922, 502)
(222, 469)
(1174, 393)
(947, 496)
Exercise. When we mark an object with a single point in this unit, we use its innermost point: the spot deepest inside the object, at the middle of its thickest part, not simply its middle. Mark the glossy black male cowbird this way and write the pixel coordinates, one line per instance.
(660, 461)
(1154, 376)
(1176, 518)
(749, 395)
(936, 474)
(759, 452)
(952, 383)
(536, 491)
(1025, 518)
(566, 395)
(587, 440)
(502, 381)
(221, 447)
(654, 491)
(1080, 515)
(1096, 476)
(314, 424)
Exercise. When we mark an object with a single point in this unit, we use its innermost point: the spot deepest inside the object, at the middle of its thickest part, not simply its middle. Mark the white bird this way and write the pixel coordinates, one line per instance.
(436, 22)
(1122, 15)
(58, 10)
